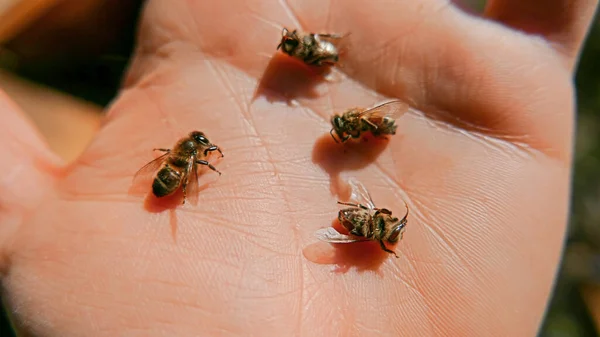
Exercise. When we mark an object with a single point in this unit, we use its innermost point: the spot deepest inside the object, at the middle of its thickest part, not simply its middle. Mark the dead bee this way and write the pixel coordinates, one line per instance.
(380, 120)
(312, 49)
(179, 166)
(365, 222)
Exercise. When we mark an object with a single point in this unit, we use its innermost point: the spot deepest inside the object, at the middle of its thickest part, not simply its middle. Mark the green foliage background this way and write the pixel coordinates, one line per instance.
(567, 315)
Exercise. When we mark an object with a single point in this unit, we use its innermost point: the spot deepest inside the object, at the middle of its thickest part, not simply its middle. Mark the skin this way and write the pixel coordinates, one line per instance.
(483, 162)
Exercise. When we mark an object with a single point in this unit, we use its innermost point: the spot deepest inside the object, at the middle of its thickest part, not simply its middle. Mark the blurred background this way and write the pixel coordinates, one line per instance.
(62, 62)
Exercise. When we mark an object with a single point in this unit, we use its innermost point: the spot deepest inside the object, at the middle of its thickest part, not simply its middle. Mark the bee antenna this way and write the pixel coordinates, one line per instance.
(331, 133)
(407, 210)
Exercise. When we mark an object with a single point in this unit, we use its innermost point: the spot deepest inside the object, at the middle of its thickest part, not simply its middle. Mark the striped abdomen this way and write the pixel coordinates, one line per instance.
(166, 182)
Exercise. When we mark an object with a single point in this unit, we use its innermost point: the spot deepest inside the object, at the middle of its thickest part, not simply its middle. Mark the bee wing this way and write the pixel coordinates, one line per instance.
(329, 37)
(341, 41)
(329, 234)
(192, 181)
(360, 194)
(145, 174)
(391, 109)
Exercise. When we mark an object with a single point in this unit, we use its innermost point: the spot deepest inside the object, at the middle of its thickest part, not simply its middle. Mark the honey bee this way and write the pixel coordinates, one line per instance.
(380, 120)
(312, 49)
(179, 166)
(365, 222)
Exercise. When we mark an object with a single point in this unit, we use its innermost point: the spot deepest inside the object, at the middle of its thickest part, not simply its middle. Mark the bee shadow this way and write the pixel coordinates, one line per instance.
(154, 204)
(363, 256)
(158, 205)
(286, 79)
(335, 158)
(169, 203)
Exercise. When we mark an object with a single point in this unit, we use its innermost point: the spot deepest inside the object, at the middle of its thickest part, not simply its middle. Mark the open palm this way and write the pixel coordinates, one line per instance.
(483, 163)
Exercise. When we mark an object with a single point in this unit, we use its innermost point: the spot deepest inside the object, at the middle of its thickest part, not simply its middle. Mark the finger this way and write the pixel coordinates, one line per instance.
(15, 17)
(69, 29)
(563, 22)
(28, 171)
(458, 69)
(68, 128)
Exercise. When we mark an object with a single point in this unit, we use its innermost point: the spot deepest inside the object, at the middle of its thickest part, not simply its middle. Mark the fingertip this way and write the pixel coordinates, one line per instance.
(20, 140)
(28, 169)
(565, 23)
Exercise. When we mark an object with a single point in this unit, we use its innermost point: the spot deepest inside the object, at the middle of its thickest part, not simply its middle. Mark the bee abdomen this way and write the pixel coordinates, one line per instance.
(166, 182)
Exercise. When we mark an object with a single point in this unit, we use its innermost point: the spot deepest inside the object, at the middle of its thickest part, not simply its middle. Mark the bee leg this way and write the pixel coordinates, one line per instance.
(355, 134)
(370, 123)
(214, 148)
(382, 211)
(331, 133)
(342, 139)
(163, 150)
(314, 61)
(386, 249)
(353, 205)
(184, 190)
(204, 162)
(355, 231)
(331, 36)
(348, 204)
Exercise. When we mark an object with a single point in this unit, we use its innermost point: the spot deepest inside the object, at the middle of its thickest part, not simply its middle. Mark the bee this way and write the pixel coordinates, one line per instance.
(178, 167)
(312, 49)
(365, 222)
(380, 120)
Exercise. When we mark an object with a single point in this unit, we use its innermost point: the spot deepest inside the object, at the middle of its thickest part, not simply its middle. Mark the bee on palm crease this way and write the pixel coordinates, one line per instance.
(313, 49)
(365, 222)
(178, 167)
(380, 120)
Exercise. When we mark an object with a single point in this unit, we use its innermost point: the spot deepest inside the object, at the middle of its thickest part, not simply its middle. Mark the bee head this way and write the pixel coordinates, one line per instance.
(338, 126)
(338, 123)
(199, 138)
(289, 41)
(397, 231)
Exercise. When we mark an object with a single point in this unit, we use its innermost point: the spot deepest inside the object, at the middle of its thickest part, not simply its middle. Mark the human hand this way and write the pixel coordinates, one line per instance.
(484, 167)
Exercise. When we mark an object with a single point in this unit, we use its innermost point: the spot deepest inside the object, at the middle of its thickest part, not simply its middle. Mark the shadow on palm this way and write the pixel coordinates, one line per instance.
(335, 158)
(286, 80)
(486, 220)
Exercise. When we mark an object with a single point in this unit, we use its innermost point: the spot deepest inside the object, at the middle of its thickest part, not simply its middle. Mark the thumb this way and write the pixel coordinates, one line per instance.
(27, 172)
